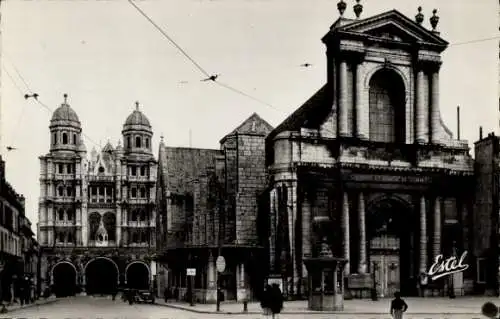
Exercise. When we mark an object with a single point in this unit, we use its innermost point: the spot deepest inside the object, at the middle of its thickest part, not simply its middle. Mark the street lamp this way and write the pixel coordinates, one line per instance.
(374, 289)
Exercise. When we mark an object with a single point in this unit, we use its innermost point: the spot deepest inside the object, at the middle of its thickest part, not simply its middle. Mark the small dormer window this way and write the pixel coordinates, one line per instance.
(137, 141)
(65, 138)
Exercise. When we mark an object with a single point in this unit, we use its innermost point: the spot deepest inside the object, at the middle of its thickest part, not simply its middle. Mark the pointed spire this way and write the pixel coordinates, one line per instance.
(161, 138)
(341, 6)
(137, 105)
(434, 20)
(419, 17)
(358, 8)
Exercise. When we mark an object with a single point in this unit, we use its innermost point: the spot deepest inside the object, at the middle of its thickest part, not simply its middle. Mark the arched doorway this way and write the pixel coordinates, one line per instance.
(101, 275)
(387, 101)
(64, 276)
(137, 274)
(390, 246)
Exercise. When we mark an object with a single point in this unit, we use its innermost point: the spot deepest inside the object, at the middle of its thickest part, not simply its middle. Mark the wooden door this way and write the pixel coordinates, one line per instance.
(387, 274)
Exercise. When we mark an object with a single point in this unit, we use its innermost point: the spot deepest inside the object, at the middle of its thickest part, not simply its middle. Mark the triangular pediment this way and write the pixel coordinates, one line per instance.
(395, 26)
(254, 125)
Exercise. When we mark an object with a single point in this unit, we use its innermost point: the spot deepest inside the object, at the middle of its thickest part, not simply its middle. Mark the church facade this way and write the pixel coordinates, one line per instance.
(368, 167)
(97, 214)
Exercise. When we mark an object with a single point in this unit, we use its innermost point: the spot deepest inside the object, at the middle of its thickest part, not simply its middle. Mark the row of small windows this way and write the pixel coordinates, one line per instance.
(65, 237)
(142, 192)
(137, 215)
(139, 237)
(65, 191)
(64, 138)
(101, 194)
(133, 170)
(69, 214)
(138, 142)
(70, 168)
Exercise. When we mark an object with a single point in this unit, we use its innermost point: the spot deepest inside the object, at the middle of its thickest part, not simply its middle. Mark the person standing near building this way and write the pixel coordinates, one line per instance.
(398, 306)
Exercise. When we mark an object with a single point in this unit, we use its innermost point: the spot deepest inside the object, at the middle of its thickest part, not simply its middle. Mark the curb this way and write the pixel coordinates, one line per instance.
(46, 302)
(308, 312)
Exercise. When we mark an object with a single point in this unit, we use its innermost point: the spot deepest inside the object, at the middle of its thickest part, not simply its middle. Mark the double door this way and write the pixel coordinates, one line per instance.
(385, 265)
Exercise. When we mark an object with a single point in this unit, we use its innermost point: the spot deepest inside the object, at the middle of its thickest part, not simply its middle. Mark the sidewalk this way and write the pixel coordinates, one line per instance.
(39, 302)
(416, 306)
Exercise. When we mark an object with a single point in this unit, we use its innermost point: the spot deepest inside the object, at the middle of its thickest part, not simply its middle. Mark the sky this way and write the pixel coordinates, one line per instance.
(105, 55)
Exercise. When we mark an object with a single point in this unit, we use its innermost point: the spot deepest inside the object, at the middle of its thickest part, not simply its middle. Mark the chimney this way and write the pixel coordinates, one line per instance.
(458, 122)
(480, 133)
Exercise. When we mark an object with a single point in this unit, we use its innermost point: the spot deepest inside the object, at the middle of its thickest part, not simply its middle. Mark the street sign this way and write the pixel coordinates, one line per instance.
(221, 264)
(191, 271)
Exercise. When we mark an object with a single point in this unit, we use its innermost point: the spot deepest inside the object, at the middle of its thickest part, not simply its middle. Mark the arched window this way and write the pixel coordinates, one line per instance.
(69, 213)
(143, 215)
(60, 214)
(134, 215)
(143, 170)
(387, 107)
(133, 192)
(65, 138)
(74, 139)
(69, 191)
(60, 190)
(147, 142)
(129, 144)
(61, 237)
(70, 237)
(143, 193)
(137, 141)
(135, 237)
(54, 138)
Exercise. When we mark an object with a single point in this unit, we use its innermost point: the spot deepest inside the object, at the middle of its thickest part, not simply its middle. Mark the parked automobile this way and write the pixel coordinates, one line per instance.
(141, 296)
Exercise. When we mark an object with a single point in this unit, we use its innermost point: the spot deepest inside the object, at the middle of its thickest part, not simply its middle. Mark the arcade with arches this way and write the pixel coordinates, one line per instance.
(137, 275)
(64, 279)
(101, 276)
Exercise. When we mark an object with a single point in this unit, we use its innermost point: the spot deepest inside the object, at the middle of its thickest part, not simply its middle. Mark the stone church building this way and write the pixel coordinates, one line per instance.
(209, 205)
(97, 214)
(368, 166)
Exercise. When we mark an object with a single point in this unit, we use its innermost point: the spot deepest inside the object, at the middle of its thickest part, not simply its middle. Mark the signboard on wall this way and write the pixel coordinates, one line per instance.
(278, 281)
(191, 271)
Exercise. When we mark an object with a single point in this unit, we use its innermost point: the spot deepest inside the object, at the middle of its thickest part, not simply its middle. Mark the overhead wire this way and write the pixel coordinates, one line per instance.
(48, 108)
(202, 70)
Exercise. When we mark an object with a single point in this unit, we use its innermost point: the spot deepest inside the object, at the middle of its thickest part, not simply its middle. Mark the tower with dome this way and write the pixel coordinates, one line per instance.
(97, 211)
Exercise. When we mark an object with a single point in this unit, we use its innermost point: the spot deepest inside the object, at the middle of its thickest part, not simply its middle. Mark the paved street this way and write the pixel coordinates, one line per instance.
(104, 307)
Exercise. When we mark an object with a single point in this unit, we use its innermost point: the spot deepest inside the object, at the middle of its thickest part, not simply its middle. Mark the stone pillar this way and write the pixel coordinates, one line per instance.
(420, 111)
(211, 294)
(423, 236)
(343, 91)
(362, 234)
(292, 221)
(362, 128)
(241, 282)
(435, 117)
(437, 227)
(345, 231)
(118, 226)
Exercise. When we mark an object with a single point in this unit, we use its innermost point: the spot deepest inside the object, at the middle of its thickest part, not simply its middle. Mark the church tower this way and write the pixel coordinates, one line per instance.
(138, 167)
(60, 206)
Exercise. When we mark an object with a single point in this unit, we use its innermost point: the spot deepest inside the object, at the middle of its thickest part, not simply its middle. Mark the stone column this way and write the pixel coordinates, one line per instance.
(118, 226)
(420, 111)
(362, 129)
(343, 91)
(241, 282)
(362, 234)
(437, 227)
(345, 231)
(423, 236)
(272, 239)
(292, 221)
(435, 117)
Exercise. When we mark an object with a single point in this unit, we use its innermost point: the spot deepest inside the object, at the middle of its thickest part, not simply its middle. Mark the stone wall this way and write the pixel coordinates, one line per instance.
(251, 183)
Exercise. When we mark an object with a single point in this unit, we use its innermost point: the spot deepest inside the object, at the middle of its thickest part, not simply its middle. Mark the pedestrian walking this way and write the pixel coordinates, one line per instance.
(398, 306)
(276, 300)
(265, 300)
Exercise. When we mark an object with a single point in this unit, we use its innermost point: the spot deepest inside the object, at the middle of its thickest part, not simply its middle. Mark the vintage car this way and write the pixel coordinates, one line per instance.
(144, 296)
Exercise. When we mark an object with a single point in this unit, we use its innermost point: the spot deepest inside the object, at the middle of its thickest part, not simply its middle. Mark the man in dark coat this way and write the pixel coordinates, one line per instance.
(276, 300)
